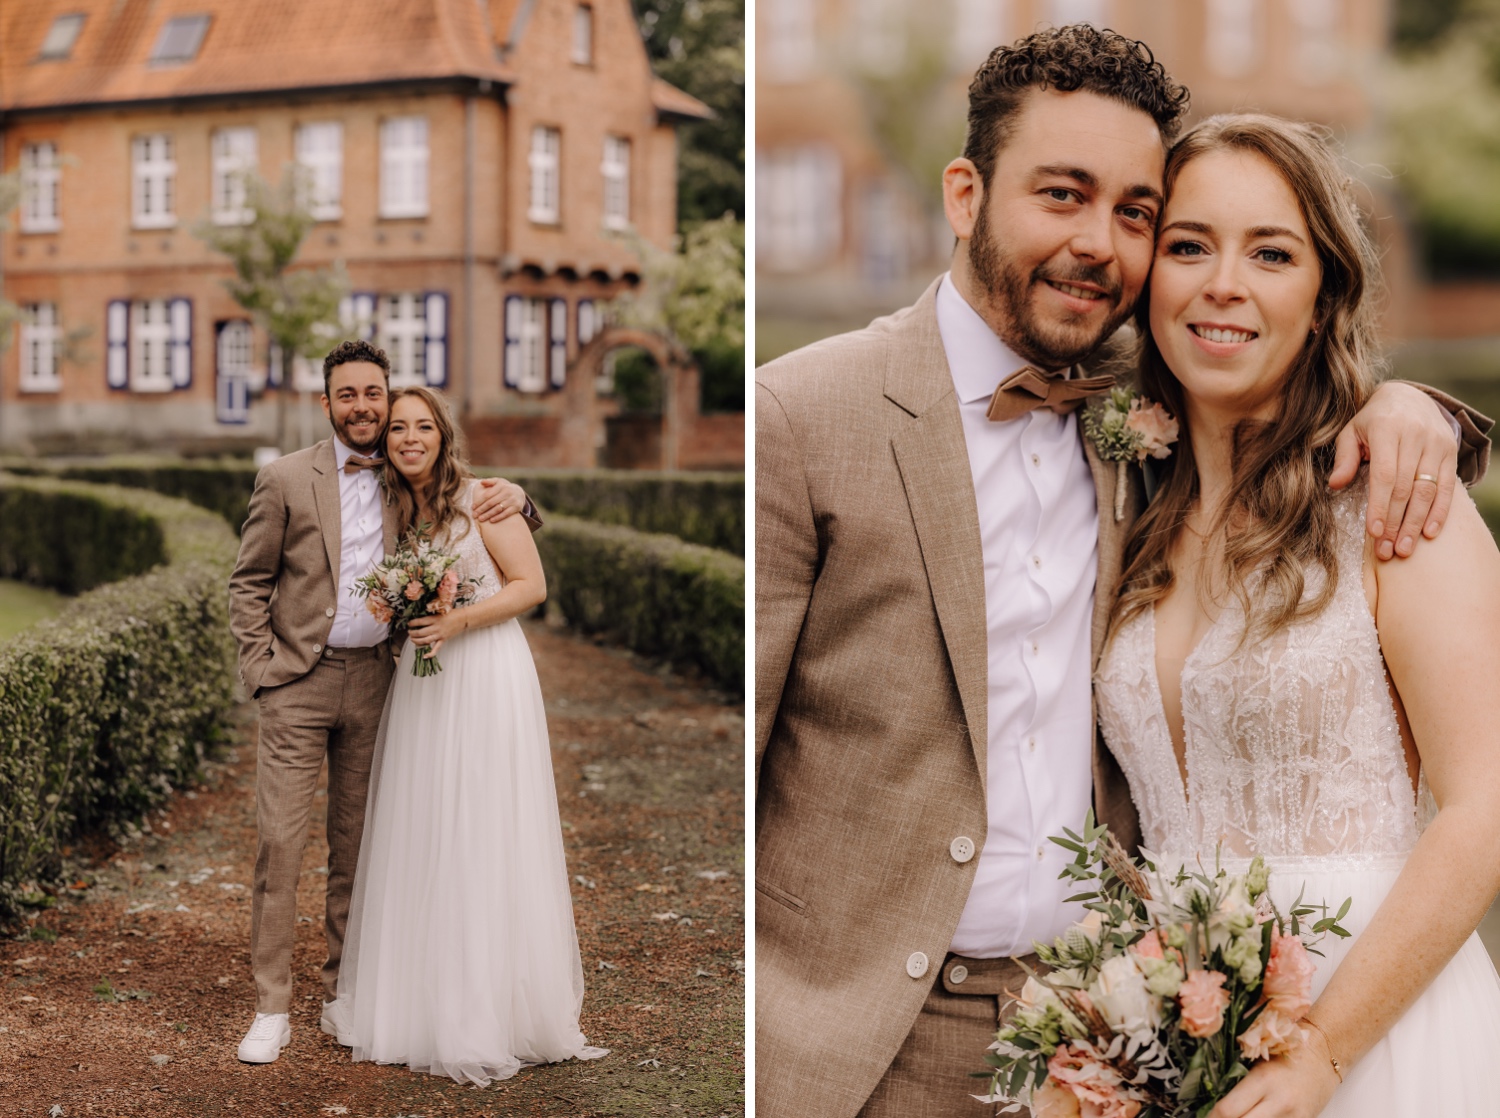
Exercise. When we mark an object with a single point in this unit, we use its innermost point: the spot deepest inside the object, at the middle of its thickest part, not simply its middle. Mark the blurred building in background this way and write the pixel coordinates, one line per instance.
(469, 162)
(861, 103)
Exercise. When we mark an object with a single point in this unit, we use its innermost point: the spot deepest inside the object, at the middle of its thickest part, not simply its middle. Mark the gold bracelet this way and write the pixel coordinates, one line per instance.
(1338, 1068)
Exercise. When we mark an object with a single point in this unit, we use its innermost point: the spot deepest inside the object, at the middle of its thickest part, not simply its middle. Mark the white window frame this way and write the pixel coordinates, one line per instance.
(41, 184)
(616, 171)
(234, 358)
(527, 344)
(583, 34)
(41, 348)
(235, 155)
(403, 166)
(320, 151)
(150, 346)
(153, 181)
(799, 207)
(791, 44)
(402, 334)
(545, 161)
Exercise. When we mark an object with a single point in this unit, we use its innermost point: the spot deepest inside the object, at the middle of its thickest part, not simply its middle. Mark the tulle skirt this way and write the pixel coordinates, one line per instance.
(461, 957)
(1440, 1057)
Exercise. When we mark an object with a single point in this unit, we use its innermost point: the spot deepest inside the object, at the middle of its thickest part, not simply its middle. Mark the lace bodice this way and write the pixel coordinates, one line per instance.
(473, 557)
(1292, 744)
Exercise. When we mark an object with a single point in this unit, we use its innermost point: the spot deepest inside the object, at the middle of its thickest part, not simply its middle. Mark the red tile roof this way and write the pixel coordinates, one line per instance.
(673, 102)
(251, 46)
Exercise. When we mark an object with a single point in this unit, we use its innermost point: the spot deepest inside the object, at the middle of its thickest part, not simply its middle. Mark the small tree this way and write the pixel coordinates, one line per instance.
(298, 309)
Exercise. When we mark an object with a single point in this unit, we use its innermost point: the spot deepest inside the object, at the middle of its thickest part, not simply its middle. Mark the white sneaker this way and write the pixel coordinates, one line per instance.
(336, 1023)
(268, 1035)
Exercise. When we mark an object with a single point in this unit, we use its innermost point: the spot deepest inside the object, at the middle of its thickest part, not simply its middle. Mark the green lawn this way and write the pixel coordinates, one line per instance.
(22, 605)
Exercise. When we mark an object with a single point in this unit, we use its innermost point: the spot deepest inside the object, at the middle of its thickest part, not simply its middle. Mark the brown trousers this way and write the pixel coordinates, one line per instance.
(930, 1076)
(333, 711)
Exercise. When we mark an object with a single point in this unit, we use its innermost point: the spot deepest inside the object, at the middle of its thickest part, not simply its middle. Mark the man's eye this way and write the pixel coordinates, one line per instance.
(1061, 194)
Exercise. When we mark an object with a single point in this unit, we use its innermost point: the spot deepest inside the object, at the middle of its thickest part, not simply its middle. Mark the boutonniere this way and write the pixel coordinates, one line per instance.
(385, 486)
(1127, 428)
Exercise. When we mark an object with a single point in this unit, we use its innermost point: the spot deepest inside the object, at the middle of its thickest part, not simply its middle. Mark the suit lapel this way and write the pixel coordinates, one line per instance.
(1111, 535)
(330, 510)
(928, 444)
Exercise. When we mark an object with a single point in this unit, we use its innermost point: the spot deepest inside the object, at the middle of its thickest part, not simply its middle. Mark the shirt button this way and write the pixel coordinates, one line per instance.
(1036, 459)
(328, 612)
(916, 964)
(1041, 852)
(1031, 744)
(1036, 561)
(1036, 649)
(962, 849)
(958, 974)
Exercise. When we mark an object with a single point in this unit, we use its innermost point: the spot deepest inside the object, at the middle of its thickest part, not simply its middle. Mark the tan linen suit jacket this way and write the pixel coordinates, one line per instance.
(871, 687)
(283, 592)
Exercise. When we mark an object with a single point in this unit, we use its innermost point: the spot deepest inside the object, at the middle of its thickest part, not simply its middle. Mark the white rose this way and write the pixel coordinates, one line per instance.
(1121, 996)
(1234, 915)
(394, 582)
(1036, 996)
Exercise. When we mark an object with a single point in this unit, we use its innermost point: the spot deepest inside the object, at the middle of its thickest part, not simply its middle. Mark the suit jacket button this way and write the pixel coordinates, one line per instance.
(958, 974)
(317, 648)
(916, 964)
(962, 849)
(328, 612)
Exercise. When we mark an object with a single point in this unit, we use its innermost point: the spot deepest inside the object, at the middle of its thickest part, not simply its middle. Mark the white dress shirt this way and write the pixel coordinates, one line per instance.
(361, 546)
(1039, 530)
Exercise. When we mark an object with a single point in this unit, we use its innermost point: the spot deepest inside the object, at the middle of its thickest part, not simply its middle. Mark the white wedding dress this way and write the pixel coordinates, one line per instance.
(461, 957)
(1293, 752)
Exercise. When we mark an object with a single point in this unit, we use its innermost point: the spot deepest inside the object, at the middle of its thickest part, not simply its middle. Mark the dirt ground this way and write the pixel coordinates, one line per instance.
(138, 1003)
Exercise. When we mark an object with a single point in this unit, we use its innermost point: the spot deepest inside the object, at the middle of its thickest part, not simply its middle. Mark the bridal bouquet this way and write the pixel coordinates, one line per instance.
(417, 581)
(1159, 1001)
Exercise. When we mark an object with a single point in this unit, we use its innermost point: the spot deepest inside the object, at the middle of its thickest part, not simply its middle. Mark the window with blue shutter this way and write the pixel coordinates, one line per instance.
(180, 317)
(559, 340)
(512, 370)
(233, 355)
(117, 358)
(588, 321)
(436, 341)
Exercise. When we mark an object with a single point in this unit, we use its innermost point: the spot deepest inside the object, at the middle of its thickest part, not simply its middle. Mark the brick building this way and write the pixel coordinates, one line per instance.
(848, 213)
(468, 162)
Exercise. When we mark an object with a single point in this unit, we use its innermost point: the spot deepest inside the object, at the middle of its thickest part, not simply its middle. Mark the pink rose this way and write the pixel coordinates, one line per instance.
(1289, 974)
(378, 607)
(447, 590)
(1092, 1082)
(413, 590)
(1271, 1035)
(1051, 1101)
(1203, 999)
(1148, 946)
(1157, 429)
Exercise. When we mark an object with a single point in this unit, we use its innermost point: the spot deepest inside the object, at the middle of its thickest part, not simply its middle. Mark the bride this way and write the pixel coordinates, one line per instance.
(461, 957)
(1269, 688)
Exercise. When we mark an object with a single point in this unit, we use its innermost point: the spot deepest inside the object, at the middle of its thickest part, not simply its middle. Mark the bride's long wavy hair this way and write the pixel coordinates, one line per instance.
(449, 473)
(1277, 519)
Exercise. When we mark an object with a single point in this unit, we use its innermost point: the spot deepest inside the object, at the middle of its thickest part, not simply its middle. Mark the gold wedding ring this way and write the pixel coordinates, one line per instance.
(1427, 477)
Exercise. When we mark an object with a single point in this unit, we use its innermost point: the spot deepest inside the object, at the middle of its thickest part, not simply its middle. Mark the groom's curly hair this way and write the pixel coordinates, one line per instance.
(1069, 58)
(357, 350)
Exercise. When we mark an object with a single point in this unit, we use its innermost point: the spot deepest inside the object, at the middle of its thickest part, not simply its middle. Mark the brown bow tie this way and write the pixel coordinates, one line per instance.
(356, 462)
(1027, 389)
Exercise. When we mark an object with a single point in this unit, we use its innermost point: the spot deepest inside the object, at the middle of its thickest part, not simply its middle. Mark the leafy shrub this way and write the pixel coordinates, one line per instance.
(108, 707)
(653, 593)
(702, 508)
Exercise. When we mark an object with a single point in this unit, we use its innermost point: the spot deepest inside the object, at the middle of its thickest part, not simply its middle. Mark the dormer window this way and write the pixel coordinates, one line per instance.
(60, 38)
(583, 34)
(180, 39)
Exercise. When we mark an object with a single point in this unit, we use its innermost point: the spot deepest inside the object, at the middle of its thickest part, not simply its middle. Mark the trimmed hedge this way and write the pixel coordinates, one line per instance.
(706, 509)
(653, 593)
(109, 706)
(702, 508)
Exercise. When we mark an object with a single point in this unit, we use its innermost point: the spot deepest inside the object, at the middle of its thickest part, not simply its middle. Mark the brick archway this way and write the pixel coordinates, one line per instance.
(679, 381)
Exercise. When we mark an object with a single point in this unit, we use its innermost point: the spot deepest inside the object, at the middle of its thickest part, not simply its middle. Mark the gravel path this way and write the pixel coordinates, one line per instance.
(137, 1005)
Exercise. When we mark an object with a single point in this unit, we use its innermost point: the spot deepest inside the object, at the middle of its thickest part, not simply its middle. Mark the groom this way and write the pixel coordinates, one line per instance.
(318, 663)
(928, 542)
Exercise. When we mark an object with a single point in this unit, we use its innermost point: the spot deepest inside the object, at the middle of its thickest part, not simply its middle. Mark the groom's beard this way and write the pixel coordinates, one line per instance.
(1010, 311)
(372, 446)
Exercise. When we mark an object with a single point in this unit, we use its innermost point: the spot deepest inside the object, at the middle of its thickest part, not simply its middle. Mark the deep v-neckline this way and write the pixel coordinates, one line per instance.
(1182, 766)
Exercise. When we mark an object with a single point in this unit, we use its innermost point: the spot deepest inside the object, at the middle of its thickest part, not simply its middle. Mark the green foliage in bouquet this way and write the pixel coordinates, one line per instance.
(107, 708)
(1162, 998)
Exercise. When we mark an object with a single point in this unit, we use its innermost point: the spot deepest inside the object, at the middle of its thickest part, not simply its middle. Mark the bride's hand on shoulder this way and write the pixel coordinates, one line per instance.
(1297, 1085)
(430, 632)
(1413, 456)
